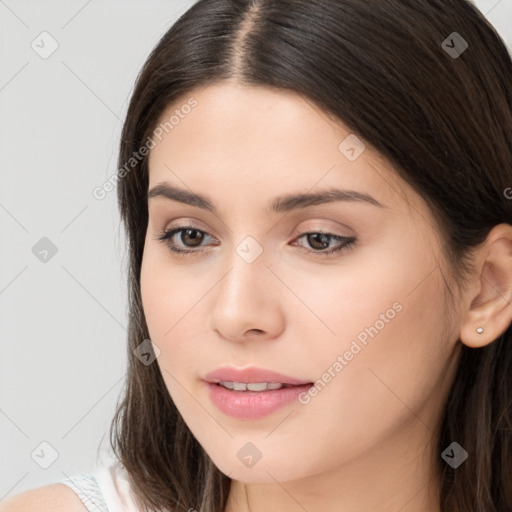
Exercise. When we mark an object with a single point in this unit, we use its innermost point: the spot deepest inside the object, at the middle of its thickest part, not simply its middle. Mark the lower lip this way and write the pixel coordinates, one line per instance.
(252, 405)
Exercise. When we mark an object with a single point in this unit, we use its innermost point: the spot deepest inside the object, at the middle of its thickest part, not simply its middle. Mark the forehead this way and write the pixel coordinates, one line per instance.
(228, 112)
(263, 141)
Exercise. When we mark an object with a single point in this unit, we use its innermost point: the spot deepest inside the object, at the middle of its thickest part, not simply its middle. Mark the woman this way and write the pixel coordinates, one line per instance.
(317, 201)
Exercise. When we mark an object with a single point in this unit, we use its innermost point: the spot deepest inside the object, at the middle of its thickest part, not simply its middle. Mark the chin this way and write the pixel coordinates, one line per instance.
(262, 472)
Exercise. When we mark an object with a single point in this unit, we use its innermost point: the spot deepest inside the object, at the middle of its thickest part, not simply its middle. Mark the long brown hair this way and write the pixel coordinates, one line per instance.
(443, 119)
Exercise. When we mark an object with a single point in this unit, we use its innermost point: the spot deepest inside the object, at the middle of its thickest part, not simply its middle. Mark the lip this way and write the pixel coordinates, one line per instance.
(251, 374)
(252, 405)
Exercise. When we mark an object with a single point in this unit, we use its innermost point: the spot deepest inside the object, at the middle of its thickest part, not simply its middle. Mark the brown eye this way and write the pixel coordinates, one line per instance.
(320, 242)
(188, 239)
(194, 236)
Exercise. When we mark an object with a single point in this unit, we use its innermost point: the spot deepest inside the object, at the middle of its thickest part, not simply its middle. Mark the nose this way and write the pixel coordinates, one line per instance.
(246, 303)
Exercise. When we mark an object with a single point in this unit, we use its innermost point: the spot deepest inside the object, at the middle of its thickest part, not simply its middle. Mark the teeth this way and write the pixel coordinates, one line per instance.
(251, 386)
(275, 385)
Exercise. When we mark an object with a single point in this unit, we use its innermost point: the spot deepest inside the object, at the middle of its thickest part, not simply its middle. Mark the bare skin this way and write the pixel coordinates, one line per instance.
(51, 498)
(364, 442)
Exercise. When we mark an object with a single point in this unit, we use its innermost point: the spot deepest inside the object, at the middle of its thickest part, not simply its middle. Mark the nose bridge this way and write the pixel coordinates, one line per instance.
(242, 301)
(250, 250)
(248, 268)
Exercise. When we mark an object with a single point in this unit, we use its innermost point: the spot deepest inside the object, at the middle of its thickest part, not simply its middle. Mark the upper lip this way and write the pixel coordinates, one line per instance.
(251, 374)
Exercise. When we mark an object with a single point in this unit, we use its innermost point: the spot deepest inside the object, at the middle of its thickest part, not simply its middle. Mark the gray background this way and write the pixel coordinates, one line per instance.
(63, 320)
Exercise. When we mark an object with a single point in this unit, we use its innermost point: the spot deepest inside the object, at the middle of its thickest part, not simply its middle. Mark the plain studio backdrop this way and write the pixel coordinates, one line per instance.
(67, 72)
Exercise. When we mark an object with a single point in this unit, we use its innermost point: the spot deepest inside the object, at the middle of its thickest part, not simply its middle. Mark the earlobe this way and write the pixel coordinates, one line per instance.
(490, 310)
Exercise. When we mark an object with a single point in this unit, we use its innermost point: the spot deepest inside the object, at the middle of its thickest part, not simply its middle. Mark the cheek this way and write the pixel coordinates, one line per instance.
(378, 295)
(377, 335)
(338, 305)
(171, 299)
(168, 293)
(388, 355)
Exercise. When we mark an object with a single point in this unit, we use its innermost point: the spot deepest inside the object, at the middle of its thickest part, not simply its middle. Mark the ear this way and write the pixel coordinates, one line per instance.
(490, 296)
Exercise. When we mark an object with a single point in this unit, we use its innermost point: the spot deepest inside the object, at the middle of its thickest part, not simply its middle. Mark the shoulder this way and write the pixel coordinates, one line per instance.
(49, 498)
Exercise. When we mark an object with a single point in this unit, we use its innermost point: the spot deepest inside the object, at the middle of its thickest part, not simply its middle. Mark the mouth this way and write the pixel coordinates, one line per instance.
(253, 393)
(255, 386)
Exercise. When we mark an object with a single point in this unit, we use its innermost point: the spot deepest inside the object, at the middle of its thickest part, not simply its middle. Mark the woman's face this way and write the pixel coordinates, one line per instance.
(366, 323)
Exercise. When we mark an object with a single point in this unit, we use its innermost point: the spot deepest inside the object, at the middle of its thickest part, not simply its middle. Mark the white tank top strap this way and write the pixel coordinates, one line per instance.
(87, 489)
(113, 483)
(106, 490)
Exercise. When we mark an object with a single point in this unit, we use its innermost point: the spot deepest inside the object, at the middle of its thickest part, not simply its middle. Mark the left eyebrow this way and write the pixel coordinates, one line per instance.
(279, 204)
(296, 201)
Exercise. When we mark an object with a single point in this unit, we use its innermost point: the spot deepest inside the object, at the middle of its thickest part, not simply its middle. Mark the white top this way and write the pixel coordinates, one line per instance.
(106, 490)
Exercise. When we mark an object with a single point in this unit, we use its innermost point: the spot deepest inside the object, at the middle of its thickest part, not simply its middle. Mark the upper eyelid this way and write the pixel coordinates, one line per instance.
(177, 228)
(192, 225)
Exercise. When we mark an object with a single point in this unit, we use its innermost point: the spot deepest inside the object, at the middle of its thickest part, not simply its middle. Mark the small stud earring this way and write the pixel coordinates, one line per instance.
(480, 330)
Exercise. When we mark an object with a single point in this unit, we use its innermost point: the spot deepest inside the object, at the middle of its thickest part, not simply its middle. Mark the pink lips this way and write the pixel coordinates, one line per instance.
(252, 405)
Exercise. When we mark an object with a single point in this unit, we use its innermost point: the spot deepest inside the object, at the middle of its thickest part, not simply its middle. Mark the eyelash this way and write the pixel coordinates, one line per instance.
(166, 236)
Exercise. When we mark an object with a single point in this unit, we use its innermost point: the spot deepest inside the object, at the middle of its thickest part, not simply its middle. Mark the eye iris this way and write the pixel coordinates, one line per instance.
(323, 238)
(196, 240)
